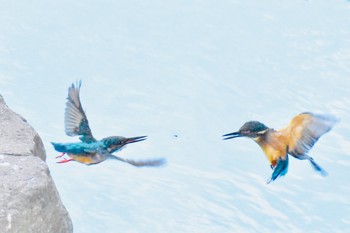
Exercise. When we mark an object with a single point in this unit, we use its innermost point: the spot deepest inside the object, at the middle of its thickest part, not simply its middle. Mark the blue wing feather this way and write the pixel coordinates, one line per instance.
(75, 120)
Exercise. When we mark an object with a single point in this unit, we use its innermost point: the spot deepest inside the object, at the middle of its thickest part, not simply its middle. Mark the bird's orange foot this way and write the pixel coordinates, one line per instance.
(64, 161)
(273, 164)
(60, 155)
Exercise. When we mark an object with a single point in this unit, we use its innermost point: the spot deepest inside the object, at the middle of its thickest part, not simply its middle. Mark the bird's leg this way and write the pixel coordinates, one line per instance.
(65, 160)
(273, 164)
(63, 153)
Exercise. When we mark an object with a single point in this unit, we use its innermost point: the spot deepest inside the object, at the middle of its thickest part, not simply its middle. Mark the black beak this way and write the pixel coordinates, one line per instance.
(135, 139)
(232, 135)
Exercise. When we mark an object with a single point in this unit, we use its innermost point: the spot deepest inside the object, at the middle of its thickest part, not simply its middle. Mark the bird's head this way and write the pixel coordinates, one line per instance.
(115, 143)
(251, 129)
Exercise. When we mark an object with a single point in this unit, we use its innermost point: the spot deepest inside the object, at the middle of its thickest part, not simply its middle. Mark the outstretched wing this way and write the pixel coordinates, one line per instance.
(75, 120)
(305, 129)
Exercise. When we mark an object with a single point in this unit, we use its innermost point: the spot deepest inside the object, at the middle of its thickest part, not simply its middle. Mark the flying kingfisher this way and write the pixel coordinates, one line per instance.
(91, 151)
(296, 140)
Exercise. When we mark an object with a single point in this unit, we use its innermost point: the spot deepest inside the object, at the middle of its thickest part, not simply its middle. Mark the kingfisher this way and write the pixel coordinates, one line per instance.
(296, 139)
(91, 151)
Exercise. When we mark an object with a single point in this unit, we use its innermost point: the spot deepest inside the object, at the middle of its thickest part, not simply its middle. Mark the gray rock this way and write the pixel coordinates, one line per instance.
(29, 201)
(17, 137)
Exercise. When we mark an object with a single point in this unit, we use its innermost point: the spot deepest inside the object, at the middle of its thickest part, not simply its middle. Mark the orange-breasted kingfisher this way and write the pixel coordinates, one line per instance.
(296, 139)
(91, 151)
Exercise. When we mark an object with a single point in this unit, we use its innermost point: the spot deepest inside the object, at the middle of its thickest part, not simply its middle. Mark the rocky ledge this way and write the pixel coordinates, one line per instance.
(29, 201)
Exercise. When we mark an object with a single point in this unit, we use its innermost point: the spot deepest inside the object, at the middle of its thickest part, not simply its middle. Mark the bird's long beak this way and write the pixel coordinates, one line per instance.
(135, 139)
(232, 135)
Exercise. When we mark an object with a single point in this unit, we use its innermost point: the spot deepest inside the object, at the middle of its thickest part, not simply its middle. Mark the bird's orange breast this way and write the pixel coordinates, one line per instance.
(86, 159)
(274, 146)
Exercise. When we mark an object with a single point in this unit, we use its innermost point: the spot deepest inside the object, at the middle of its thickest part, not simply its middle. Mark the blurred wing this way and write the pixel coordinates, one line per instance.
(75, 120)
(144, 163)
(305, 129)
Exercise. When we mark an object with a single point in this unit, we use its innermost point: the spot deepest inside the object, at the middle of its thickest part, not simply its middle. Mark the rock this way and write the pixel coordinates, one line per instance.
(17, 137)
(29, 200)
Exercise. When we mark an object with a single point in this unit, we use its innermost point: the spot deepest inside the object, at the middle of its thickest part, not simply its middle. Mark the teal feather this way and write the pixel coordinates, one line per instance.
(281, 169)
(78, 147)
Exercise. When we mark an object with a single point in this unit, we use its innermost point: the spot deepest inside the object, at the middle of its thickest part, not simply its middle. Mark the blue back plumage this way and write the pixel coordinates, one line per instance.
(77, 147)
(60, 147)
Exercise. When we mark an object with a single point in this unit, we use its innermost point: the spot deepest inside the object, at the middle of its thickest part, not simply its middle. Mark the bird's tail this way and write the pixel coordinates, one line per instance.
(280, 170)
(59, 147)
